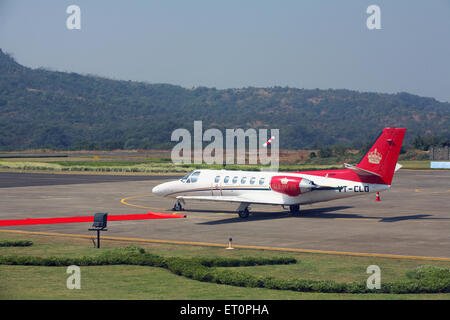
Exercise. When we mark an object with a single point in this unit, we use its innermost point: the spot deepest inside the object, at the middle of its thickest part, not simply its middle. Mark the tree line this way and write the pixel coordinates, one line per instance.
(59, 110)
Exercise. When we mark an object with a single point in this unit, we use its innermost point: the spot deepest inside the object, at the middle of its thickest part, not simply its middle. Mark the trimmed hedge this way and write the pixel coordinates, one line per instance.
(244, 262)
(423, 280)
(16, 243)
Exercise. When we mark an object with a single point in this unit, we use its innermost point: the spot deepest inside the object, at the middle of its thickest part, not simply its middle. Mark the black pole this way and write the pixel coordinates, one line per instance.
(98, 238)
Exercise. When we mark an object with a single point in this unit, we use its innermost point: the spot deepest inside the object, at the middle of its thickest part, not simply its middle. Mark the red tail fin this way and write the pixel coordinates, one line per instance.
(383, 155)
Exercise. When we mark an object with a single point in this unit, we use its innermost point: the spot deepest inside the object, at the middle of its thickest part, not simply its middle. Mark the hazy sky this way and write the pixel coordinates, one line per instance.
(240, 43)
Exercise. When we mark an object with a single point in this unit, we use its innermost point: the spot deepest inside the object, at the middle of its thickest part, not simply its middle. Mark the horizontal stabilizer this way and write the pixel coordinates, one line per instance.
(360, 171)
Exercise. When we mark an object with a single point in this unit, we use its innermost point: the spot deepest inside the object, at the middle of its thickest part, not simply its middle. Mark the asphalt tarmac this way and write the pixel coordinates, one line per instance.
(413, 218)
(11, 179)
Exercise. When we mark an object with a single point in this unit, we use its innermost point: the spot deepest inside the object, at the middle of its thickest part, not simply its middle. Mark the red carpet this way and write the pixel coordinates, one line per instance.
(148, 215)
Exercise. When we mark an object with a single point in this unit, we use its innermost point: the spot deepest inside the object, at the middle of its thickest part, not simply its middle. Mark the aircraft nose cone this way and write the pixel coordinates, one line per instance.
(157, 190)
(165, 188)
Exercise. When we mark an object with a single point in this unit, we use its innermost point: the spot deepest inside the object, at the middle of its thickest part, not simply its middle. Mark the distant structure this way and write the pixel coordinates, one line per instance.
(440, 154)
(440, 158)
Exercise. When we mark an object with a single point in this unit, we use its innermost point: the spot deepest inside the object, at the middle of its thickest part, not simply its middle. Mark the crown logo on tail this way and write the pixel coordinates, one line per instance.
(374, 157)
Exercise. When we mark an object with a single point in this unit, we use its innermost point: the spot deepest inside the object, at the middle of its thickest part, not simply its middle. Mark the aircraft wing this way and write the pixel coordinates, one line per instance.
(238, 199)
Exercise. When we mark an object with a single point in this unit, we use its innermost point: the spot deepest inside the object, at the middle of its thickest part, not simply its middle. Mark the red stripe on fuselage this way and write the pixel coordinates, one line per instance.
(343, 174)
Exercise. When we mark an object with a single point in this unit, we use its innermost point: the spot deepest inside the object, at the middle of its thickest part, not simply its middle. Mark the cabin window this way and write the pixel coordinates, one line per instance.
(261, 181)
(235, 179)
(194, 176)
(227, 178)
(252, 180)
(217, 179)
(243, 180)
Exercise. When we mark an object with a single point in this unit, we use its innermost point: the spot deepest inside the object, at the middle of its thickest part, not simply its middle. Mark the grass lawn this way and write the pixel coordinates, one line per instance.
(416, 164)
(139, 282)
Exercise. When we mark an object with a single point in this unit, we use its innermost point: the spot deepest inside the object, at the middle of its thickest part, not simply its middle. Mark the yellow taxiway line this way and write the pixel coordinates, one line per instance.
(438, 192)
(360, 254)
(124, 201)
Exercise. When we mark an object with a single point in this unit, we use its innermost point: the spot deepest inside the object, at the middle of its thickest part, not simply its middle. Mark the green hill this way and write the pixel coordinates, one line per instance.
(41, 108)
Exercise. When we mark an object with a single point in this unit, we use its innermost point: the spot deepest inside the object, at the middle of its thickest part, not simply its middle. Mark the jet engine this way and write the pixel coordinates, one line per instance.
(292, 186)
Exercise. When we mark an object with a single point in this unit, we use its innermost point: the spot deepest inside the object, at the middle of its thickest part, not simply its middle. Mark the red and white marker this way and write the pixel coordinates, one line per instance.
(268, 142)
(378, 197)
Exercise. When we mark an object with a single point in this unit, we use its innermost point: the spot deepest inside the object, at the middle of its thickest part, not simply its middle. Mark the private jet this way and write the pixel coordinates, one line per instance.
(373, 173)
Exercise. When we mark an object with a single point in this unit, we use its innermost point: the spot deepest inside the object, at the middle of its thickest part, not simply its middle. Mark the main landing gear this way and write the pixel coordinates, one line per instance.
(178, 206)
(243, 210)
(244, 213)
(294, 209)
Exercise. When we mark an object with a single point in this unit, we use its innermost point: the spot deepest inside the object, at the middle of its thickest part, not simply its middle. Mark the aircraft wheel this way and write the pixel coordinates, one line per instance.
(177, 206)
(244, 213)
(294, 209)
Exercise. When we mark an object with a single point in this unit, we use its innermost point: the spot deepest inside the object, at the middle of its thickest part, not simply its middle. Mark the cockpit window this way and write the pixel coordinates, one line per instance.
(194, 176)
(191, 177)
(184, 179)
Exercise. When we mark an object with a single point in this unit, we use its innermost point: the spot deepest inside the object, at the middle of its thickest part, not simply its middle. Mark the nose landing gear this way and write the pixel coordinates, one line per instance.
(178, 206)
